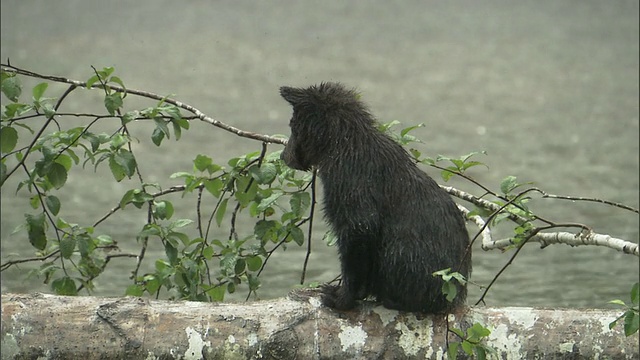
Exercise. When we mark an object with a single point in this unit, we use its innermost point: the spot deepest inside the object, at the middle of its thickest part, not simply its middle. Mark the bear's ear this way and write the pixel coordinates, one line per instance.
(294, 96)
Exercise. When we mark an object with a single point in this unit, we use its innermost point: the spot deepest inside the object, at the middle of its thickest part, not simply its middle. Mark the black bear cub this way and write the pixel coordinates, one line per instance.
(394, 224)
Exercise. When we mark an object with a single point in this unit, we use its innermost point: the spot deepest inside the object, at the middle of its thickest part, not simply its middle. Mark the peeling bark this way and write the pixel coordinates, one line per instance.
(297, 327)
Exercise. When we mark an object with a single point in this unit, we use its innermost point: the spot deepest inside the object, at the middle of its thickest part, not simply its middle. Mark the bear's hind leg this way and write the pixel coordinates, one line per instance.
(357, 273)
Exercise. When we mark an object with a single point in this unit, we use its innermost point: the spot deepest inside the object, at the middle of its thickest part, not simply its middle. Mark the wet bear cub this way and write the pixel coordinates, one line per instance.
(394, 224)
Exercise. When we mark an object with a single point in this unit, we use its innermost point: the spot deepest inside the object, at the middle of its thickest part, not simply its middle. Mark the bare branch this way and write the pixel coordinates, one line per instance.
(485, 231)
(571, 239)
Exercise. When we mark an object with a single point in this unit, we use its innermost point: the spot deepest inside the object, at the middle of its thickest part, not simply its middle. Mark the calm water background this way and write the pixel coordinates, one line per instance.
(548, 88)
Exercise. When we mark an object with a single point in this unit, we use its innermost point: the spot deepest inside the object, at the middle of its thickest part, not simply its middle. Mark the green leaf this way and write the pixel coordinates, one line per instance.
(172, 253)
(162, 125)
(268, 201)
(181, 223)
(459, 277)
(39, 90)
(180, 174)
(152, 284)
(164, 270)
(480, 353)
(113, 102)
(163, 209)
(182, 237)
(117, 80)
(150, 230)
(452, 351)
(405, 131)
(477, 331)
(208, 252)
(172, 110)
(254, 282)
(8, 139)
(3, 172)
(635, 294)
(220, 211)
(11, 87)
(129, 117)
(42, 166)
(266, 230)
(104, 240)
(35, 226)
(128, 196)
(12, 110)
(447, 174)
(300, 202)
(106, 71)
(387, 126)
(67, 246)
(118, 140)
(240, 266)
(264, 174)
(631, 323)
(85, 244)
(297, 235)
(508, 184)
(157, 136)
(68, 160)
(92, 80)
(228, 263)
(444, 273)
(467, 347)
(134, 290)
(53, 204)
(269, 211)
(177, 130)
(458, 332)
(202, 162)
(254, 263)
(231, 287)
(246, 190)
(330, 238)
(57, 175)
(34, 201)
(126, 160)
(273, 157)
(217, 293)
(93, 140)
(117, 170)
(450, 290)
(469, 164)
(214, 186)
(64, 286)
(183, 123)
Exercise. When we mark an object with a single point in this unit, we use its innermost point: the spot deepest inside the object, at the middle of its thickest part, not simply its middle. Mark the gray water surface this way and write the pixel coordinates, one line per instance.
(548, 88)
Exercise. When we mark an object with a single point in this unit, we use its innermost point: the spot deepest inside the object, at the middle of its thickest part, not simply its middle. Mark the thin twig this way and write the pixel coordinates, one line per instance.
(520, 246)
(311, 213)
(579, 198)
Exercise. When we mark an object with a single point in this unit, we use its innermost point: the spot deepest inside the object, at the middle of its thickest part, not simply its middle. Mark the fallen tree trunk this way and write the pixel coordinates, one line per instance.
(57, 327)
